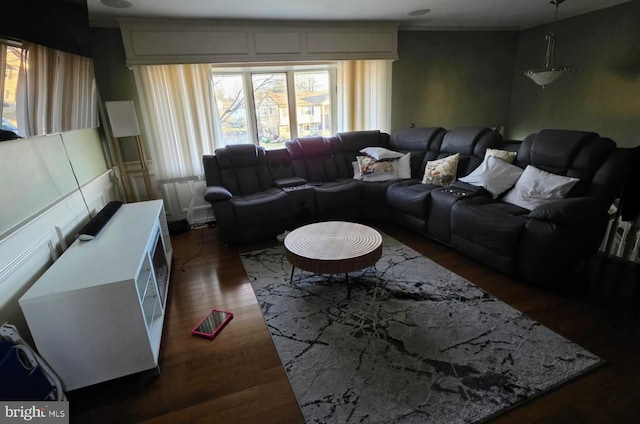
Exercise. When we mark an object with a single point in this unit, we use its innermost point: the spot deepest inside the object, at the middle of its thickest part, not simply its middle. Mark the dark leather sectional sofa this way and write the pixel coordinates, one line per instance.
(257, 193)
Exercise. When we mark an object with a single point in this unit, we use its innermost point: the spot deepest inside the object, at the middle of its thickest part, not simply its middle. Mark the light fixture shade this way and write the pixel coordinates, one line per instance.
(550, 71)
(123, 119)
(545, 77)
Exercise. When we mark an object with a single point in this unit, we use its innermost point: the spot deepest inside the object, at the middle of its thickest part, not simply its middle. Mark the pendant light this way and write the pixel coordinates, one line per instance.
(550, 71)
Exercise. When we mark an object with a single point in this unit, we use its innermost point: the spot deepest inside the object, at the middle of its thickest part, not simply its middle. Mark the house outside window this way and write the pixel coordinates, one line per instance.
(9, 70)
(270, 105)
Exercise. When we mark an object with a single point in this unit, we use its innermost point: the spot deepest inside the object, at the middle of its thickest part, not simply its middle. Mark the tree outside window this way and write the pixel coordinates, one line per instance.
(284, 104)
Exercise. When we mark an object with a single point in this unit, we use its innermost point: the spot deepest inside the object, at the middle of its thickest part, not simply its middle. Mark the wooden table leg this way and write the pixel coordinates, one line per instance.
(293, 268)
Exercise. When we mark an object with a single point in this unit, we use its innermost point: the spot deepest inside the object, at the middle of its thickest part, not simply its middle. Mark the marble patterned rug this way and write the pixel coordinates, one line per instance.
(416, 343)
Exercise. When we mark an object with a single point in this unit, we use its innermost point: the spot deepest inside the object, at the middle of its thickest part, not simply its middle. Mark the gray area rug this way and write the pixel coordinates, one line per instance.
(416, 343)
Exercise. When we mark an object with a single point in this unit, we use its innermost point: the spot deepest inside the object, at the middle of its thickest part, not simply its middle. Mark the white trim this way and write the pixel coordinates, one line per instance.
(31, 247)
(22, 257)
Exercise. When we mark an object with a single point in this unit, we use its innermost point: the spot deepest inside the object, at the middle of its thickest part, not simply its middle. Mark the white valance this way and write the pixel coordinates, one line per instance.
(156, 41)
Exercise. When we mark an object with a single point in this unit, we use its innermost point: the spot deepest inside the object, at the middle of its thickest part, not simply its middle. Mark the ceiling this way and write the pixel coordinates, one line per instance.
(444, 14)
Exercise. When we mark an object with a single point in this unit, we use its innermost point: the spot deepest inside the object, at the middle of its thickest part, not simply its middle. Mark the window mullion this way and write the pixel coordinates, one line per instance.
(291, 94)
(333, 96)
(252, 120)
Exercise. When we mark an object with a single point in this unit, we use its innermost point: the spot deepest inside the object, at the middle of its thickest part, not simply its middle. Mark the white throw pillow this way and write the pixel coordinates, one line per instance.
(441, 172)
(403, 166)
(380, 153)
(495, 175)
(502, 154)
(537, 187)
(357, 175)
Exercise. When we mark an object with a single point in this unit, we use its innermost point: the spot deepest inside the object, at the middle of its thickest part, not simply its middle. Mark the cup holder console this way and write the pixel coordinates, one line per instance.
(455, 192)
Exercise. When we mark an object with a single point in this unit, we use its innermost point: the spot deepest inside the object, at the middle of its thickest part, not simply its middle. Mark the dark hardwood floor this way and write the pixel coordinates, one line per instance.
(238, 377)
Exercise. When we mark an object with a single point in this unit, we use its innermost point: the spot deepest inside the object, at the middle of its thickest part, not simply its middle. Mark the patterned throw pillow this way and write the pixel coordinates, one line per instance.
(441, 172)
(369, 165)
(401, 169)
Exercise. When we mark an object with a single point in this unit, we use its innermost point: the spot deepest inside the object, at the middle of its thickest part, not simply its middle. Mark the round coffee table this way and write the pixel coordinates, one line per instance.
(333, 247)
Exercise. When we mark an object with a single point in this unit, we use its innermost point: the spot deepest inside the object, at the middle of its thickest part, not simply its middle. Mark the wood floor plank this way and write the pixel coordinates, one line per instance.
(238, 377)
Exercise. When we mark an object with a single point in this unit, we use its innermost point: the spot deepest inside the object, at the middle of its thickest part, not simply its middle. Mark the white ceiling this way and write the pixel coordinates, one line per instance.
(456, 14)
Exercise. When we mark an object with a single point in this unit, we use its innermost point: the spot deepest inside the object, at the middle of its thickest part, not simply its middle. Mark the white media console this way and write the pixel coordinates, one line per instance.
(97, 313)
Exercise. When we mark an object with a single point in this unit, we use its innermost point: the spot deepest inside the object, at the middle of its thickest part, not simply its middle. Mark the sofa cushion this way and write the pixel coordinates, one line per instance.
(243, 168)
(441, 172)
(375, 193)
(558, 148)
(263, 208)
(418, 141)
(339, 198)
(410, 197)
(471, 143)
(577, 154)
(495, 175)
(354, 141)
(346, 146)
(488, 231)
(313, 158)
(537, 187)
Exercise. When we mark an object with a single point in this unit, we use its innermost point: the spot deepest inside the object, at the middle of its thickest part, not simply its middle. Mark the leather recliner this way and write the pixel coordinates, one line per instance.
(257, 194)
(545, 243)
(413, 202)
(337, 194)
(245, 201)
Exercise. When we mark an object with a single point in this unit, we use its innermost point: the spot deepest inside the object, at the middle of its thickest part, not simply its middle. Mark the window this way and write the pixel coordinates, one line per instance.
(229, 95)
(45, 91)
(269, 105)
(9, 70)
(191, 110)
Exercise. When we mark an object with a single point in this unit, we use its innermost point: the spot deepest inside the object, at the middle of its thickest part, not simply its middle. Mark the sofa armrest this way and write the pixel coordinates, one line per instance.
(570, 210)
(216, 194)
(289, 182)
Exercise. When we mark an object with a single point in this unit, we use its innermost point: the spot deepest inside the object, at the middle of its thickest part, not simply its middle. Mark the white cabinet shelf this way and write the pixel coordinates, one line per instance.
(97, 313)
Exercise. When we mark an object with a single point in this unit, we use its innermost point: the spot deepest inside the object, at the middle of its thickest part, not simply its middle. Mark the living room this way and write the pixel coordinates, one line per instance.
(443, 77)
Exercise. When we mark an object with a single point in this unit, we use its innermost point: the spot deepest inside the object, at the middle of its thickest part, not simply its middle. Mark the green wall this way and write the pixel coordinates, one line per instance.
(602, 95)
(114, 80)
(459, 78)
(453, 78)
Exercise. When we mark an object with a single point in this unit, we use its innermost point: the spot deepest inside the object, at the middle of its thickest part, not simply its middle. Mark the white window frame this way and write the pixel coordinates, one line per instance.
(289, 69)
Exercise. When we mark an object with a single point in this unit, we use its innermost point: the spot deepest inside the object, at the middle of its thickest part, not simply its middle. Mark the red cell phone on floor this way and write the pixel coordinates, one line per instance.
(212, 324)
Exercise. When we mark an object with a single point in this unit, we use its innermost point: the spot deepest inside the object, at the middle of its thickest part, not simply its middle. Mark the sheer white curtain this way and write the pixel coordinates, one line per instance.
(178, 115)
(56, 92)
(364, 95)
(3, 50)
(180, 119)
